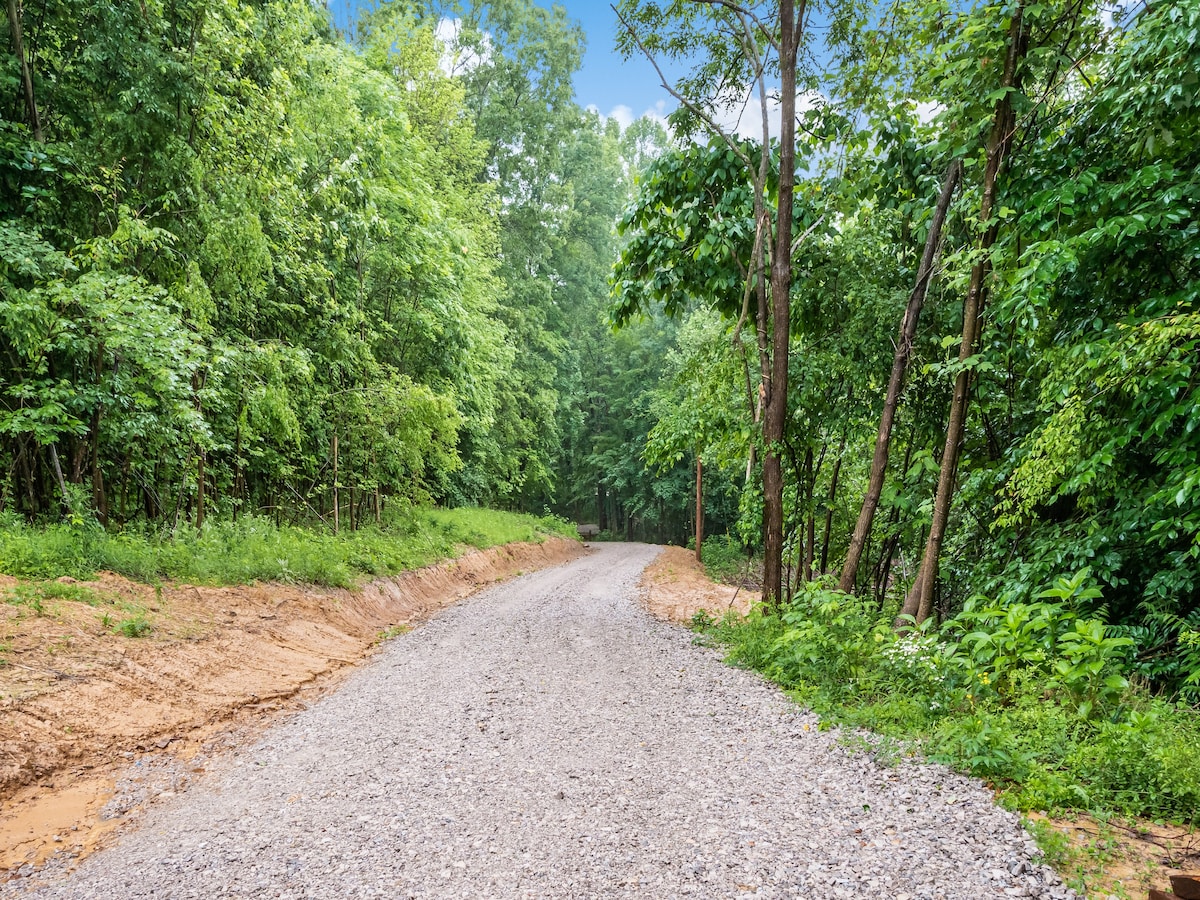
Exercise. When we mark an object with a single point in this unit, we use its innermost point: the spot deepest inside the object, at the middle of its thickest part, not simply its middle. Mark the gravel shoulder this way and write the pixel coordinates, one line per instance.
(548, 738)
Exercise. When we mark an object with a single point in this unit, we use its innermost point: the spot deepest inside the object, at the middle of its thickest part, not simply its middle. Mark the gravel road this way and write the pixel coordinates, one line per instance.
(547, 738)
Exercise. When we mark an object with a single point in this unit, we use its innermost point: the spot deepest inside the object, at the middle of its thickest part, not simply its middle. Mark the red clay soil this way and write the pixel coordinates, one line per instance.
(675, 588)
(79, 702)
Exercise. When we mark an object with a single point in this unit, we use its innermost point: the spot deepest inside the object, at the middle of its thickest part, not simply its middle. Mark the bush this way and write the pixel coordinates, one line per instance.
(724, 558)
(1029, 696)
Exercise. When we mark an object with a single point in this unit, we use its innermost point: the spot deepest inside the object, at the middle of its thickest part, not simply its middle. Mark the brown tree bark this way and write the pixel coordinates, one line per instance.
(99, 495)
(919, 602)
(775, 418)
(336, 499)
(810, 490)
(14, 25)
(833, 486)
(699, 507)
(908, 331)
(200, 489)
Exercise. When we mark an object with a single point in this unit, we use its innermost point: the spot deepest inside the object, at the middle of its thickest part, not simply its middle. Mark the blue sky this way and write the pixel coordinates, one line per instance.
(615, 88)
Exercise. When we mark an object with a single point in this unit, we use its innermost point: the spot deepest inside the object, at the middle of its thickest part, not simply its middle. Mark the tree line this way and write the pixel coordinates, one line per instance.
(252, 264)
(975, 312)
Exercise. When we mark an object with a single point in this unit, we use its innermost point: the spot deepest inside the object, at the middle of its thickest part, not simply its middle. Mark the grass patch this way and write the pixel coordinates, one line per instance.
(256, 549)
(392, 631)
(1050, 722)
(725, 559)
(133, 627)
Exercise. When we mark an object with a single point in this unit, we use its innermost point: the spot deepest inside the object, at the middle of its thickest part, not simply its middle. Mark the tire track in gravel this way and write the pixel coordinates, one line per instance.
(547, 738)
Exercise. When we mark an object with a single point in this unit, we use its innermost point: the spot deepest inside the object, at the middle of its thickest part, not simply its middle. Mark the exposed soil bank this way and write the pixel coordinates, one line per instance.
(79, 703)
(675, 588)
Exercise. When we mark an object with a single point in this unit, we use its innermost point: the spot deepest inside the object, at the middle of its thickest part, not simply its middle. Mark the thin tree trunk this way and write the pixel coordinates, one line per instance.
(58, 475)
(30, 487)
(336, 499)
(908, 331)
(810, 490)
(775, 418)
(239, 486)
(919, 602)
(14, 25)
(699, 507)
(200, 489)
(99, 498)
(833, 486)
(125, 466)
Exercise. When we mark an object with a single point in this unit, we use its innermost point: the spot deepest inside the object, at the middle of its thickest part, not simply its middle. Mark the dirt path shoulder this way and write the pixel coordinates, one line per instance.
(95, 718)
(675, 588)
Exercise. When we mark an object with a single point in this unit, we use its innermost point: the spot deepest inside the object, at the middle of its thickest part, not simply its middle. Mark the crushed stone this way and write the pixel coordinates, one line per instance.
(549, 739)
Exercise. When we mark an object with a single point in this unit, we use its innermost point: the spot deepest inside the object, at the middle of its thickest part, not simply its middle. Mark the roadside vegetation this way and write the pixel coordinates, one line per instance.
(254, 549)
(1040, 699)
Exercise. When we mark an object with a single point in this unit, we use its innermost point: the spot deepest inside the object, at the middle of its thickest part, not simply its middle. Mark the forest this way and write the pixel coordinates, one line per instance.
(930, 330)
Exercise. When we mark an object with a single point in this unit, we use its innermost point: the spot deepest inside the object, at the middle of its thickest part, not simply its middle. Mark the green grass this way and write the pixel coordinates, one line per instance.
(255, 549)
(1041, 740)
(725, 559)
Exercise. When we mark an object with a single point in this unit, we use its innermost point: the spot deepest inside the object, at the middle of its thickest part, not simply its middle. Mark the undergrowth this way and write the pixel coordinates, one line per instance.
(1031, 696)
(256, 549)
(725, 559)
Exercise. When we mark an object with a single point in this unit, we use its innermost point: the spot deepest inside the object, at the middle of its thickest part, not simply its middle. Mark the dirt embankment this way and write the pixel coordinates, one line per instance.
(80, 698)
(676, 588)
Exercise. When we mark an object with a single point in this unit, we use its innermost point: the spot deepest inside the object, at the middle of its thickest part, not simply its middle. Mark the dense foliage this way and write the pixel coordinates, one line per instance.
(248, 266)
(1045, 409)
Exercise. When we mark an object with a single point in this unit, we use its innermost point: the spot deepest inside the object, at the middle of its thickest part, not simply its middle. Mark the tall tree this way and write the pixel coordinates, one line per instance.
(739, 47)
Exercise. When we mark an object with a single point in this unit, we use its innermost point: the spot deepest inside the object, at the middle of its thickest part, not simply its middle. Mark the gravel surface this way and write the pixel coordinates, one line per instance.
(548, 739)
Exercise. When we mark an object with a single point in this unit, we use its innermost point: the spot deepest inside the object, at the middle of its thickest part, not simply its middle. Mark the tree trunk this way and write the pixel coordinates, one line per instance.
(58, 476)
(833, 486)
(810, 537)
(699, 507)
(775, 418)
(239, 486)
(14, 25)
(908, 331)
(99, 496)
(200, 489)
(336, 500)
(919, 602)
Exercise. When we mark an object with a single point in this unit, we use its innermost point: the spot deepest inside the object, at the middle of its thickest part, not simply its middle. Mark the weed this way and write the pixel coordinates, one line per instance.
(725, 559)
(133, 627)
(1029, 697)
(26, 595)
(392, 631)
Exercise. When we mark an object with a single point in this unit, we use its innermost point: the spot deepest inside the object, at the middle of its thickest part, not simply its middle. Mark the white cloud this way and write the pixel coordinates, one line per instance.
(625, 115)
(928, 110)
(745, 118)
(456, 58)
